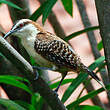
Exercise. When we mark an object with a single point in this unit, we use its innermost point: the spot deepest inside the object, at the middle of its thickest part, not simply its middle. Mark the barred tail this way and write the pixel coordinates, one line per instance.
(94, 76)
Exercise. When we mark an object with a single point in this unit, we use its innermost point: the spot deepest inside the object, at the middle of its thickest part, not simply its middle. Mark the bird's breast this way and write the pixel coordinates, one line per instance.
(28, 44)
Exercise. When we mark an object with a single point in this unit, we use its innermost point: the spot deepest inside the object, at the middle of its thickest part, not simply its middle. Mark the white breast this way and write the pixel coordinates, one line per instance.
(28, 36)
(28, 43)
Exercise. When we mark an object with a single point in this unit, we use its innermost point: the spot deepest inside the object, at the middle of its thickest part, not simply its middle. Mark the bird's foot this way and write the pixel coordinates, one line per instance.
(36, 72)
(36, 69)
(55, 92)
(41, 68)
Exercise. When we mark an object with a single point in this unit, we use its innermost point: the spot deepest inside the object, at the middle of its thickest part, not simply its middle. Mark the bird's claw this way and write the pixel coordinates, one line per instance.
(36, 68)
(41, 68)
(36, 72)
(55, 92)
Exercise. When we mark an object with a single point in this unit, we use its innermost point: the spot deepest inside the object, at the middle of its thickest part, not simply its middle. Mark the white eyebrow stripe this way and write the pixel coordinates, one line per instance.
(20, 22)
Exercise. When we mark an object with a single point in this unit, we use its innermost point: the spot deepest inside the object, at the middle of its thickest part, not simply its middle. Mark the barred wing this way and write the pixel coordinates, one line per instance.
(58, 52)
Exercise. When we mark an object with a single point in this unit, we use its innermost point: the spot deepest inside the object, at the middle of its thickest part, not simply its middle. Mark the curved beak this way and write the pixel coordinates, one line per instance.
(9, 33)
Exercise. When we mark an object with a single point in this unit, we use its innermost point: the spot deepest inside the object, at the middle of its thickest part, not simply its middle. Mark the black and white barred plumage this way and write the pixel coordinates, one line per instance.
(48, 49)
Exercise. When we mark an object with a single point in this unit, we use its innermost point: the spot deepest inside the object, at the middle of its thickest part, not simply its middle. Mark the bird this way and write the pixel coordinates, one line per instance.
(49, 50)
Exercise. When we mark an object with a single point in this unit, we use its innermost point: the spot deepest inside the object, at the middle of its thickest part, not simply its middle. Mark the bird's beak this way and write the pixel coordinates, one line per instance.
(9, 33)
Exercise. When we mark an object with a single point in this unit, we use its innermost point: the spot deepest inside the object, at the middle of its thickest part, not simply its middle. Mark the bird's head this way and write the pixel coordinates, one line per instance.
(24, 28)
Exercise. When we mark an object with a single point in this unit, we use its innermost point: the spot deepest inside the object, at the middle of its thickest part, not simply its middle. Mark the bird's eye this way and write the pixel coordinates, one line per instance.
(21, 25)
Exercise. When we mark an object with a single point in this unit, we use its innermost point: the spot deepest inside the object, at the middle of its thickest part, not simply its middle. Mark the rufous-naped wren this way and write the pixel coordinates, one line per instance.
(49, 50)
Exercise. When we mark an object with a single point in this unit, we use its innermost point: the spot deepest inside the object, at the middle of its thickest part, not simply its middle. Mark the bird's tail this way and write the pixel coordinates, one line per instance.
(94, 76)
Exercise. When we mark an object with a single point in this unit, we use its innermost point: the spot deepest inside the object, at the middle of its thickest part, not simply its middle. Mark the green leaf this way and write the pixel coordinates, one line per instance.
(37, 101)
(25, 105)
(40, 104)
(2, 55)
(88, 107)
(97, 62)
(80, 32)
(88, 96)
(10, 4)
(100, 45)
(102, 68)
(65, 81)
(32, 60)
(44, 9)
(14, 81)
(68, 5)
(48, 7)
(81, 77)
(38, 12)
(10, 105)
(16, 78)
(76, 82)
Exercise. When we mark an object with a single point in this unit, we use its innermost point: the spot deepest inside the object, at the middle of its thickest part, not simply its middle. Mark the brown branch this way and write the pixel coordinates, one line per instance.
(19, 14)
(103, 12)
(104, 23)
(16, 14)
(6, 68)
(93, 43)
(56, 25)
(86, 23)
(39, 85)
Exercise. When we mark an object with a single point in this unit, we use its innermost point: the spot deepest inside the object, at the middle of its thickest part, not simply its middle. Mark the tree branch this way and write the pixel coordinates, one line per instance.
(7, 68)
(103, 12)
(19, 14)
(104, 23)
(92, 41)
(86, 23)
(39, 85)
